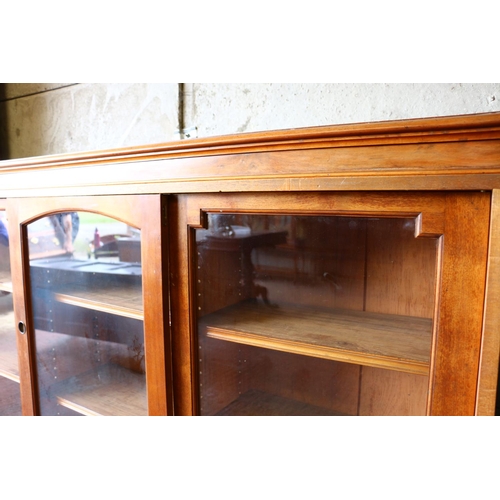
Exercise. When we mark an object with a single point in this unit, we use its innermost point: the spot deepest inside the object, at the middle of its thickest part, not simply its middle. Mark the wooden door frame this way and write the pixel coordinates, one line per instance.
(146, 212)
(459, 219)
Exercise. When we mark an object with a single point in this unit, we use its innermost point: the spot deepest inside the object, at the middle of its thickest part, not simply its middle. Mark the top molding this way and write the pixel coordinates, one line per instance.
(485, 126)
(444, 153)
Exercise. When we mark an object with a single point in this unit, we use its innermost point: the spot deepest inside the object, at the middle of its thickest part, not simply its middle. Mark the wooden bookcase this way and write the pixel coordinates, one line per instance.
(343, 270)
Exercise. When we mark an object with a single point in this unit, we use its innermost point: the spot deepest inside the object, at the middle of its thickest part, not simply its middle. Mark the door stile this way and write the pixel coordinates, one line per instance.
(490, 347)
(156, 305)
(459, 330)
(22, 305)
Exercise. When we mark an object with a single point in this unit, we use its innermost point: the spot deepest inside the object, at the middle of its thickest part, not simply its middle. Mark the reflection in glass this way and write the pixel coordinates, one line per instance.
(313, 315)
(10, 400)
(86, 287)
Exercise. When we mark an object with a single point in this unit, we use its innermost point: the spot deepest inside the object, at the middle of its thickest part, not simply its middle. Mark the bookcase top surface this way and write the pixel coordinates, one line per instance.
(451, 152)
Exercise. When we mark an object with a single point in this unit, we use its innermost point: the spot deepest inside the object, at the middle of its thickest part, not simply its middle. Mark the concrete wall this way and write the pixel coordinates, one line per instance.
(60, 118)
(39, 119)
(244, 107)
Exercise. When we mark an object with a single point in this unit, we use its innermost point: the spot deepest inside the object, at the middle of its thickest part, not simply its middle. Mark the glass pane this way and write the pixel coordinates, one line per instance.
(86, 288)
(10, 399)
(313, 315)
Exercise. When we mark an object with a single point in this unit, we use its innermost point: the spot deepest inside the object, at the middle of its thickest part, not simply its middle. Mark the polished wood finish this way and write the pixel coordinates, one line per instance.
(391, 393)
(460, 308)
(490, 348)
(395, 342)
(123, 301)
(22, 304)
(430, 171)
(257, 403)
(144, 212)
(429, 154)
(121, 396)
(413, 131)
(456, 223)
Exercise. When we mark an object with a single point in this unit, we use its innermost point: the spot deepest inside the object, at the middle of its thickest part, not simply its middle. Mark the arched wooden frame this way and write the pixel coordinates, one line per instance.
(145, 212)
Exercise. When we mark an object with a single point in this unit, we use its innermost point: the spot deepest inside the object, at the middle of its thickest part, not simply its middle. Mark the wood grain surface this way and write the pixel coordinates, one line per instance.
(396, 342)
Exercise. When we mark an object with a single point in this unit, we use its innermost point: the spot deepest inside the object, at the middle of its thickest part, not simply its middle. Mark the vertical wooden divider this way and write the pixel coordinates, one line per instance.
(460, 311)
(156, 305)
(490, 348)
(22, 306)
(182, 345)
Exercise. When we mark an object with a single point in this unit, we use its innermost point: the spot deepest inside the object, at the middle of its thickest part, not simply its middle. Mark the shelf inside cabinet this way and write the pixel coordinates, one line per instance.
(8, 349)
(124, 300)
(253, 403)
(5, 281)
(110, 390)
(112, 287)
(10, 399)
(394, 342)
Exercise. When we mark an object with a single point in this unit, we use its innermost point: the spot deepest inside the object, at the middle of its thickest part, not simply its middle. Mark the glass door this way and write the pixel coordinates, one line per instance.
(96, 346)
(86, 296)
(10, 399)
(329, 303)
(313, 315)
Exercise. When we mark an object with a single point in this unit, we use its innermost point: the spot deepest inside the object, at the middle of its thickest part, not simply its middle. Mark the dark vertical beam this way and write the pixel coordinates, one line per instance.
(181, 125)
(4, 136)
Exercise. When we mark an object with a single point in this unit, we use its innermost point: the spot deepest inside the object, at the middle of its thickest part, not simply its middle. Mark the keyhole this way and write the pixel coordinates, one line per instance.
(22, 327)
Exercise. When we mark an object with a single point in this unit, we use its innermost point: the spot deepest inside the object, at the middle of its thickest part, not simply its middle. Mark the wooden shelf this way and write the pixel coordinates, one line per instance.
(112, 390)
(9, 367)
(5, 281)
(10, 400)
(400, 343)
(253, 403)
(112, 287)
(124, 300)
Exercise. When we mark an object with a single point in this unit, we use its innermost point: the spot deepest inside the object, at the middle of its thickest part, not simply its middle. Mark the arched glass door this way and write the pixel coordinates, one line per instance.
(85, 277)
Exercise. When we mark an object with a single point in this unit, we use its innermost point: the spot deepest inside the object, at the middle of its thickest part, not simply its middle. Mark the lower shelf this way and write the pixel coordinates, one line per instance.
(401, 343)
(258, 403)
(8, 348)
(5, 281)
(109, 391)
(10, 398)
